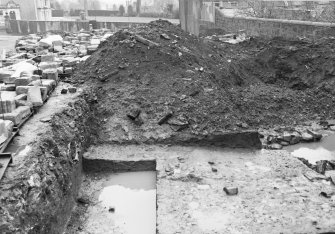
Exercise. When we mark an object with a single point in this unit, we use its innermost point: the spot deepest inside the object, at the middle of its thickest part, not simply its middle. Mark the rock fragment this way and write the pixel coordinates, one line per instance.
(231, 191)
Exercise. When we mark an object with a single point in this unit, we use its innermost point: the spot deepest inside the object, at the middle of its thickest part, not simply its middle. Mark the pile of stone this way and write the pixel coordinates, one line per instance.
(29, 76)
(276, 140)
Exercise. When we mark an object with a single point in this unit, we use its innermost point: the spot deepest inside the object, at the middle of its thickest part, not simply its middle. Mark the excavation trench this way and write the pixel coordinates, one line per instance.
(40, 189)
(121, 199)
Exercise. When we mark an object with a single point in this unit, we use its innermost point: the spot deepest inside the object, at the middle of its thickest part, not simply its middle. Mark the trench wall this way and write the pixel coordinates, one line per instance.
(269, 28)
(30, 27)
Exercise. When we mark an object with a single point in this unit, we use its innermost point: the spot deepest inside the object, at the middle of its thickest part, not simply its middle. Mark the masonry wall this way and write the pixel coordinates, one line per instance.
(270, 28)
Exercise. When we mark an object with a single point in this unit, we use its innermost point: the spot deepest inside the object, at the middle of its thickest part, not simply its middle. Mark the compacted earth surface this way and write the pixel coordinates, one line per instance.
(154, 98)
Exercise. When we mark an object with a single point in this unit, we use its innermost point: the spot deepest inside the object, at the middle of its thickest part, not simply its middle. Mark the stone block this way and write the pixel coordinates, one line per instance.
(9, 80)
(50, 74)
(72, 90)
(35, 96)
(23, 103)
(8, 87)
(231, 190)
(48, 65)
(23, 81)
(49, 84)
(68, 70)
(21, 97)
(7, 106)
(57, 45)
(44, 93)
(18, 114)
(60, 70)
(36, 77)
(69, 62)
(35, 83)
(22, 89)
(4, 74)
(4, 133)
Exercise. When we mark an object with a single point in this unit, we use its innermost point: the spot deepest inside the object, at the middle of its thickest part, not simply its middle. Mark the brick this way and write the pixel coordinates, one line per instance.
(48, 58)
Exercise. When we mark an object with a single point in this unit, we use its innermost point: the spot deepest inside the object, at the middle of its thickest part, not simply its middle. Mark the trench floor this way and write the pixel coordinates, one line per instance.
(274, 195)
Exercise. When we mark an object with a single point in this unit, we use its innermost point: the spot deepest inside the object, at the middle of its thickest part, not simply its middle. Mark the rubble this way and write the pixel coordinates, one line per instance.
(231, 191)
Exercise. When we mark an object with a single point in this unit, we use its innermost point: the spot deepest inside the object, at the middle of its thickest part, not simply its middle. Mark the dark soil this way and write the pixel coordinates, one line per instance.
(212, 86)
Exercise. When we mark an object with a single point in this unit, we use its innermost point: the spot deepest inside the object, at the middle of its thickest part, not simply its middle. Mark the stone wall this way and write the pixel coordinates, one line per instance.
(269, 28)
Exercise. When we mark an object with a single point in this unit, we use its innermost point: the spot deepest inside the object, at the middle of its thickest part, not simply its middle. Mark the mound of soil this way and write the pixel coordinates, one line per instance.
(208, 86)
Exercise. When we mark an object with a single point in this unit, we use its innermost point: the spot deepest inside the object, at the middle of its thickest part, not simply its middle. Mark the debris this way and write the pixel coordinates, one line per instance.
(214, 169)
(83, 200)
(165, 36)
(72, 90)
(306, 137)
(45, 120)
(275, 146)
(165, 118)
(316, 136)
(111, 209)
(331, 175)
(321, 166)
(327, 194)
(134, 113)
(231, 191)
(145, 41)
(312, 176)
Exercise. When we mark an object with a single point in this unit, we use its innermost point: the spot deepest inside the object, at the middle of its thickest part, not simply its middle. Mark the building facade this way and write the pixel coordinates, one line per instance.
(10, 8)
(35, 9)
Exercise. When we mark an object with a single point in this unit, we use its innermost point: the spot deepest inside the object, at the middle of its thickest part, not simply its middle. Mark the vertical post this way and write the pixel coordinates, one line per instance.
(183, 14)
(190, 11)
(86, 9)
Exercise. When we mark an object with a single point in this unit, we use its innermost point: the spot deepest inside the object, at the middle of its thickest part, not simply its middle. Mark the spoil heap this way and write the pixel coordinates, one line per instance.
(150, 71)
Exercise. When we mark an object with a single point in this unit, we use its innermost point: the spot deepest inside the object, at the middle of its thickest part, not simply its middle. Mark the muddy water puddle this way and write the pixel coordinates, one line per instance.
(313, 152)
(125, 203)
